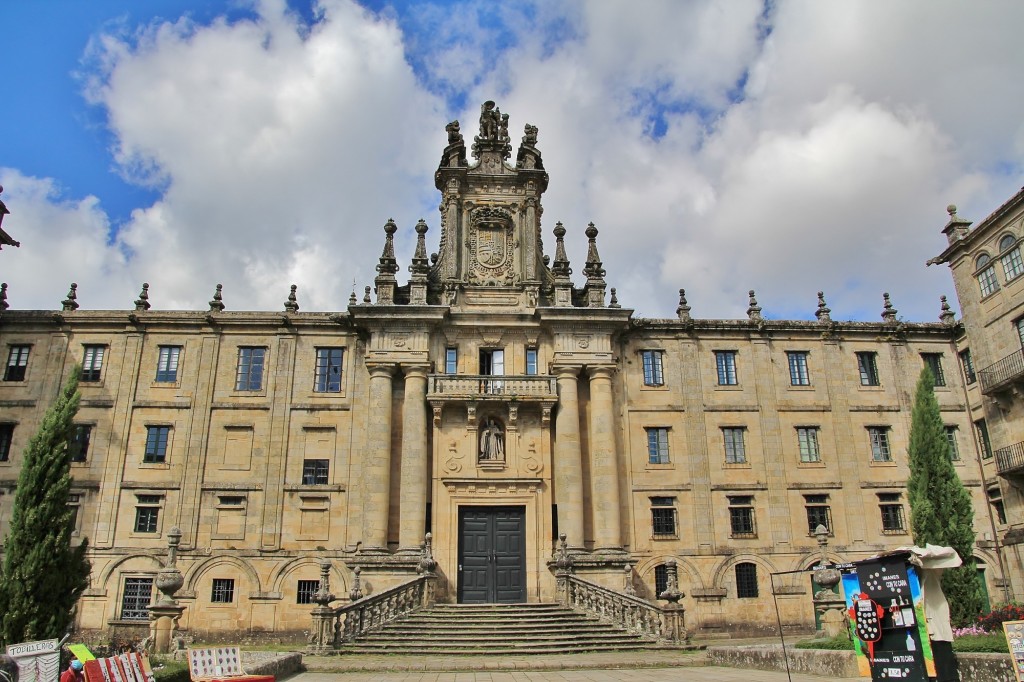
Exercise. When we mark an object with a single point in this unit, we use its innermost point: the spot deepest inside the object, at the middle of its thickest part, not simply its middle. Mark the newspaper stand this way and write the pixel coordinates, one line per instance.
(886, 614)
(220, 664)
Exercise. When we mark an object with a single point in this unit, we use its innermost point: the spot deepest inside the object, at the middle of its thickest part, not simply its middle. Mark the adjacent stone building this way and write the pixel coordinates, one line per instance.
(490, 401)
(987, 265)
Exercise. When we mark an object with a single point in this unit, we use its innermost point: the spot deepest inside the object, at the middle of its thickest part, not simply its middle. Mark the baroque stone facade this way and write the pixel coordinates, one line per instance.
(492, 402)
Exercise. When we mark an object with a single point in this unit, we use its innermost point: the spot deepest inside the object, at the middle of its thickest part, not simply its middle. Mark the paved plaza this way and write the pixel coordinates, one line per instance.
(696, 674)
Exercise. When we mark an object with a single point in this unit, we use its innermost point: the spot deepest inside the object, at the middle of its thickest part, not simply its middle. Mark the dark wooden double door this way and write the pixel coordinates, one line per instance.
(492, 555)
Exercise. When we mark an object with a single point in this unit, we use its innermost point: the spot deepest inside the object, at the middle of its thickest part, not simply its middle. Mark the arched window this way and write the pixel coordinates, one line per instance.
(746, 581)
(1013, 264)
(982, 261)
(660, 579)
(987, 274)
(1006, 242)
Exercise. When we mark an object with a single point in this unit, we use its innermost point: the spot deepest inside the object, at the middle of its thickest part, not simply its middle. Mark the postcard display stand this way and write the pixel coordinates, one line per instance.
(1014, 630)
(886, 614)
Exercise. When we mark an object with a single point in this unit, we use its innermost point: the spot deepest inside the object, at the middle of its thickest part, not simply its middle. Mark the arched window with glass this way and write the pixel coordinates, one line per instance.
(986, 275)
(1013, 264)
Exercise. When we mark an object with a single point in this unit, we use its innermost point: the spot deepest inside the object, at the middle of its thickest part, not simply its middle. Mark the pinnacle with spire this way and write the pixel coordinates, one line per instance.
(888, 312)
(420, 263)
(292, 304)
(217, 304)
(823, 313)
(946, 316)
(753, 309)
(142, 303)
(71, 302)
(560, 267)
(683, 310)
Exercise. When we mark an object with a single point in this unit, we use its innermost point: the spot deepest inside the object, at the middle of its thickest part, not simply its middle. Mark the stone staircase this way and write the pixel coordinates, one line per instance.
(496, 629)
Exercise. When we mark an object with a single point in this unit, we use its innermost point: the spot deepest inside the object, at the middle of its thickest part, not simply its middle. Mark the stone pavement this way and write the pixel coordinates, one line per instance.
(688, 674)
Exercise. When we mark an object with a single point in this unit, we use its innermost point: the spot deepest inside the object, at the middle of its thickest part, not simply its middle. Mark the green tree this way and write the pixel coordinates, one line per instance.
(43, 574)
(940, 506)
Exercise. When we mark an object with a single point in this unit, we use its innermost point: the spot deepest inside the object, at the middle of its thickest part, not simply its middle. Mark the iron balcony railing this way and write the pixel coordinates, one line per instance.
(481, 386)
(1000, 373)
(1010, 459)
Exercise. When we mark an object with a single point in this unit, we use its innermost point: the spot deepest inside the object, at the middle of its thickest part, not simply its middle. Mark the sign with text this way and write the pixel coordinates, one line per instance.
(37, 661)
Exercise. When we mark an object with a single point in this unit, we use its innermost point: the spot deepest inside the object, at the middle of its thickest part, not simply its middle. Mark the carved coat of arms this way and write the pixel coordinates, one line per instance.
(490, 246)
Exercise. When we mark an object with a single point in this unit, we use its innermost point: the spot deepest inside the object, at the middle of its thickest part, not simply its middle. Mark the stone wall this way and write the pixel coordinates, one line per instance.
(843, 664)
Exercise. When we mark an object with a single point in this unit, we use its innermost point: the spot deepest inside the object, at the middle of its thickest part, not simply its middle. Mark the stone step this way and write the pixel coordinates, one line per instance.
(415, 648)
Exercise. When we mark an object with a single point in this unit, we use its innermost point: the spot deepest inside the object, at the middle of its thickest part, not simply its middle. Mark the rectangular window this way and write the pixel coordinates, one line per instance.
(156, 444)
(741, 517)
(314, 471)
(74, 502)
(6, 438)
(735, 452)
(933, 361)
(987, 281)
(92, 362)
(147, 513)
(531, 361)
(223, 591)
(653, 375)
(867, 363)
(746, 581)
(879, 436)
(954, 449)
(968, 366)
(725, 360)
(328, 370)
(798, 375)
(660, 579)
(451, 361)
(1013, 264)
(78, 446)
(249, 376)
(663, 517)
(1019, 326)
(807, 438)
(892, 513)
(136, 597)
(657, 445)
(167, 364)
(984, 444)
(305, 591)
(819, 513)
(17, 363)
(995, 498)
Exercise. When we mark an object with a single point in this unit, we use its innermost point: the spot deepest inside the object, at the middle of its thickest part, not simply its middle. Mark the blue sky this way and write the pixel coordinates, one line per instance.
(787, 147)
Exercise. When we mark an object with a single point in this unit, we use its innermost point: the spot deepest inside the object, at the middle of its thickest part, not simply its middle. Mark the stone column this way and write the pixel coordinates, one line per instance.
(604, 469)
(377, 464)
(567, 460)
(413, 503)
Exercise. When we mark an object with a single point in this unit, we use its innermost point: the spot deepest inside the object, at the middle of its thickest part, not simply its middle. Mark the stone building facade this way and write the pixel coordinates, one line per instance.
(494, 403)
(986, 264)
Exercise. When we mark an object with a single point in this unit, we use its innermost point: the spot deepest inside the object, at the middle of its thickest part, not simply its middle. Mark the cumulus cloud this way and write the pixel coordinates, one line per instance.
(786, 147)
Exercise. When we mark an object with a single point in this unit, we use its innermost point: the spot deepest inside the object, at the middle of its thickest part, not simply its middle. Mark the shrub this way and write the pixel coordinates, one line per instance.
(993, 620)
(171, 671)
(840, 642)
(994, 643)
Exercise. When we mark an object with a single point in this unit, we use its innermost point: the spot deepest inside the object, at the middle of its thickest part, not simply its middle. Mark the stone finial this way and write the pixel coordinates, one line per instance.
(823, 313)
(614, 302)
(71, 302)
(888, 312)
(356, 592)
(957, 227)
(3, 297)
(427, 563)
(671, 593)
(366, 294)
(827, 578)
(753, 309)
(592, 269)
(352, 300)
(683, 310)
(560, 268)
(169, 580)
(627, 581)
(947, 316)
(420, 265)
(142, 303)
(217, 304)
(563, 560)
(323, 596)
(292, 304)
(388, 265)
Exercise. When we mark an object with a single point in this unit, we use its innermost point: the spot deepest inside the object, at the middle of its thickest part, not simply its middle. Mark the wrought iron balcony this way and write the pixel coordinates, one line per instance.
(1001, 374)
(485, 386)
(1010, 460)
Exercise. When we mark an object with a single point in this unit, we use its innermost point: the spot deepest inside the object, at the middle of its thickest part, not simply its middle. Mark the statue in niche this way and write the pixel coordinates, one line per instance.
(490, 119)
(492, 442)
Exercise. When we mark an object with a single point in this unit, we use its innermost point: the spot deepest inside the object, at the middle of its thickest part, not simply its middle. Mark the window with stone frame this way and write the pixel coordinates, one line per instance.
(798, 372)
(222, 591)
(657, 445)
(156, 444)
(531, 361)
(1013, 264)
(986, 275)
(742, 522)
(167, 364)
(891, 508)
(249, 371)
(78, 446)
(1018, 324)
(92, 362)
(819, 513)
(867, 364)
(663, 517)
(807, 441)
(733, 440)
(653, 372)
(147, 513)
(6, 439)
(746, 580)
(327, 373)
(995, 498)
(451, 360)
(984, 444)
(74, 503)
(17, 363)
(879, 438)
(660, 579)
(933, 361)
(315, 471)
(725, 363)
(305, 590)
(136, 595)
(968, 366)
(954, 447)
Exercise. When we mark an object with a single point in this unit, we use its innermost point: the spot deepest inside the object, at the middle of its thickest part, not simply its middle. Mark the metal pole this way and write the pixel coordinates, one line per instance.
(778, 619)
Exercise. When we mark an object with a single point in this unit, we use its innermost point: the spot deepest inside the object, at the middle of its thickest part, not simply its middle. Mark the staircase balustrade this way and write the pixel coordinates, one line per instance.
(628, 612)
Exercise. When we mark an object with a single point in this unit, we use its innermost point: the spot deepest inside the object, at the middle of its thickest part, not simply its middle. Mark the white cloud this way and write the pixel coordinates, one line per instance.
(281, 152)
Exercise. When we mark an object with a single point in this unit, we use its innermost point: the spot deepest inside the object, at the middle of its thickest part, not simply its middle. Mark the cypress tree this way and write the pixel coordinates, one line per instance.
(43, 574)
(940, 507)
